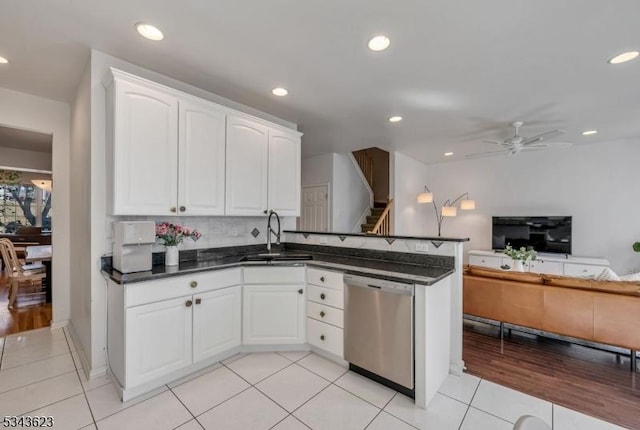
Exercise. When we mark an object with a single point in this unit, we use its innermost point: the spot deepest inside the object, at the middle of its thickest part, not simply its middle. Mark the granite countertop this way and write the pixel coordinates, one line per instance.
(393, 266)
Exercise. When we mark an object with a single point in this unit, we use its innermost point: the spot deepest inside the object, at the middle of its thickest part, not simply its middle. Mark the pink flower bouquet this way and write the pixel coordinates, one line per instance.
(173, 234)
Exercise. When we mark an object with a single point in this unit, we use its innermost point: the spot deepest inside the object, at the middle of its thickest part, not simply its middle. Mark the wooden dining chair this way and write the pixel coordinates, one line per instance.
(19, 275)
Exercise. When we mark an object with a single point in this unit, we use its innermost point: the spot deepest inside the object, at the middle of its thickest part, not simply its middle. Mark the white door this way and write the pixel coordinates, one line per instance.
(201, 174)
(284, 172)
(217, 319)
(315, 209)
(273, 314)
(247, 152)
(145, 150)
(158, 339)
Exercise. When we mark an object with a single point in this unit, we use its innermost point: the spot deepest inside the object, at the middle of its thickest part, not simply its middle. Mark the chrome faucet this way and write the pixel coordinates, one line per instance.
(270, 230)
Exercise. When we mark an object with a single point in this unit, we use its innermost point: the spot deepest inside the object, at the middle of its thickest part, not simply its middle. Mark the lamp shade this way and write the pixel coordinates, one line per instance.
(467, 205)
(425, 197)
(449, 211)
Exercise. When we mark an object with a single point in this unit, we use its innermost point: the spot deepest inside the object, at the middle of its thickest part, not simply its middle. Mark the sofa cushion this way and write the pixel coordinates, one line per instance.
(631, 277)
(532, 278)
(567, 281)
(607, 275)
(631, 288)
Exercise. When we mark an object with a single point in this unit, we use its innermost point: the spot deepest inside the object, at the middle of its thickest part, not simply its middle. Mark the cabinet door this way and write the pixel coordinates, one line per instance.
(247, 151)
(216, 322)
(201, 144)
(145, 150)
(158, 340)
(284, 173)
(273, 314)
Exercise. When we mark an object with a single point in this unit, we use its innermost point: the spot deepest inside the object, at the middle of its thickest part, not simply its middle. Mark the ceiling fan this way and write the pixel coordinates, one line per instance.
(517, 143)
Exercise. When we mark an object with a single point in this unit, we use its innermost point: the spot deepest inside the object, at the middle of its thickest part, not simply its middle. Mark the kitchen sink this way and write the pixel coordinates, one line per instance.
(276, 256)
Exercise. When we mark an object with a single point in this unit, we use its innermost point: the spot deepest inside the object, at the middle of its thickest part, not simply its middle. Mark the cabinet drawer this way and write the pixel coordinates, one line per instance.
(325, 296)
(582, 270)
(274, 275)
(485, 261)
(184, 285)
(325, 278)
(326, 314)
(325, 336)
(549, 267)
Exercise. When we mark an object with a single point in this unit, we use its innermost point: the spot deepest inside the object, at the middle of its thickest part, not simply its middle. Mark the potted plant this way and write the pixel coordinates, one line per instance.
(519, 256)
(636, 247)
(172, 235)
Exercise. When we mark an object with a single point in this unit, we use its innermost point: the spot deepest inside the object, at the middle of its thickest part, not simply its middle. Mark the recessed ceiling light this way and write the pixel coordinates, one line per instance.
(3, 60)
(395, 119)
(589, 132)
(280, 92)
(447, 154)
(624, 57)
(149, 31)
(379, 43)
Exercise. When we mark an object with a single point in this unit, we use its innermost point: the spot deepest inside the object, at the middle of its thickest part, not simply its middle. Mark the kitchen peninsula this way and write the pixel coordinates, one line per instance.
(169, 322)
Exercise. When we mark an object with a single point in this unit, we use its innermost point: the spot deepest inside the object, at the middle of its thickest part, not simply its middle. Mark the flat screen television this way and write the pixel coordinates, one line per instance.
(542, 233)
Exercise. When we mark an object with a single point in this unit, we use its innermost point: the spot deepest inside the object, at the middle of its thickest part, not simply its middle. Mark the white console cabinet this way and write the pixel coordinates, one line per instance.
(566, 265)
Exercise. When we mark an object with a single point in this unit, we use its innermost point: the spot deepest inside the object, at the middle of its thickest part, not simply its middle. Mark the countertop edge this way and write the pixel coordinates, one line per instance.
(330, 233)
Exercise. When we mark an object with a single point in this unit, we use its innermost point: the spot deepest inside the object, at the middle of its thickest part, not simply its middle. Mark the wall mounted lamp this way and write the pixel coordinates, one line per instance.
(448, 208)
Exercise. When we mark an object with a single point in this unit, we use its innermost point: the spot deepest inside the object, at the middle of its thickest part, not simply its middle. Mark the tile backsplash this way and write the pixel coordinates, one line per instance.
(216, 231)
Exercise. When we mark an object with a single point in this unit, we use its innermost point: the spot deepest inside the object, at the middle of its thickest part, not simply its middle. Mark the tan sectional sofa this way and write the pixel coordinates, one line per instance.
(600, 311)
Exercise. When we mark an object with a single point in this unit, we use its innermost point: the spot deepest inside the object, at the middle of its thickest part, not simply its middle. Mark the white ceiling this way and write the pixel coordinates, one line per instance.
(458, 71)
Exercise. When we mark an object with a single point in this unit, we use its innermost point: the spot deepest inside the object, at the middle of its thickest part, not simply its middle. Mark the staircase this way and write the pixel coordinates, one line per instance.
(376, 212)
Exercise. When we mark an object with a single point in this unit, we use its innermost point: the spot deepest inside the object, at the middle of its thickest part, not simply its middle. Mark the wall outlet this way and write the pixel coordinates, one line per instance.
(422, 247)
(323, 240)
(233, 232)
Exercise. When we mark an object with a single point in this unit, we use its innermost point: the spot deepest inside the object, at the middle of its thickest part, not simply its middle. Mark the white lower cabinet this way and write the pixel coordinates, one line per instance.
(158, 340)
(325, 314)
(217, 318)
(273, 306)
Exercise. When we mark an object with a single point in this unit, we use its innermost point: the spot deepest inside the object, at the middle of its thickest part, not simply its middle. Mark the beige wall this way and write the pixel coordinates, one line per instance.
(33, 113)
(19, 158)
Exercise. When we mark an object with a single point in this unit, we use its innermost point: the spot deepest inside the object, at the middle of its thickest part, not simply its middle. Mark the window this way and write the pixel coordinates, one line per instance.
(24, 205)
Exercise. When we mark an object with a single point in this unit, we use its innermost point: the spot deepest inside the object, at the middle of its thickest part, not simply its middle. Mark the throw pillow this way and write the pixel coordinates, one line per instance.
(607, 275)
(631, 277)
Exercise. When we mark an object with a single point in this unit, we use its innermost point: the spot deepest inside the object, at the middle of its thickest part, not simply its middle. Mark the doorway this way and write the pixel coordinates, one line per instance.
(315, 208)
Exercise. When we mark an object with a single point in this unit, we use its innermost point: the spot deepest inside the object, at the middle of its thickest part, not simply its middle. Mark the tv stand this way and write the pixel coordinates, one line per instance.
(550, 264)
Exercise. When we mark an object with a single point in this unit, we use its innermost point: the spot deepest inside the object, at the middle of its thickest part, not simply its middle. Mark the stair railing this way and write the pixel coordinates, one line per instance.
(383, 226)
(366, 165)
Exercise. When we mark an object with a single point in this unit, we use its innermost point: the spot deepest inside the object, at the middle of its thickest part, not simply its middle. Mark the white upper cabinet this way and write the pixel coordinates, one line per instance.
(247, 166)
(201, 145)
(145, 150)
(284, 173)
(263, 169)
(176, 154)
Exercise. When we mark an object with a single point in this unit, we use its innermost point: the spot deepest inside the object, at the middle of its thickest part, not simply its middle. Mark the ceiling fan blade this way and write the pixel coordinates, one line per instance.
(542, 136)
(484, 154)
(496, 142)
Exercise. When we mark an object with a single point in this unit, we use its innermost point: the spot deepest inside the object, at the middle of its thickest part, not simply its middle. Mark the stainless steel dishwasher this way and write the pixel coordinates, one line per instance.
(378, 330)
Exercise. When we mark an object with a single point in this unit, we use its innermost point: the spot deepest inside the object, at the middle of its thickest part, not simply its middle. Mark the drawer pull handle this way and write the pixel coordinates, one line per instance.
(322, 296)
(322, 279)
(198, 301)
(194, 284)
(322, 337)
(188, 303)
(300, 291)
(483, 261)
(264, 211)
(321, 314)
(584, 270)
(182, 209)
(173, 209)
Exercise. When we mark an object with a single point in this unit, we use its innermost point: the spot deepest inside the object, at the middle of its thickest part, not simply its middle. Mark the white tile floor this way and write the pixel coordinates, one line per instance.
(41, 375)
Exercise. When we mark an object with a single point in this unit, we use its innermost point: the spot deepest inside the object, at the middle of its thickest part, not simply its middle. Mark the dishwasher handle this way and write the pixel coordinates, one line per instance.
(379, 284)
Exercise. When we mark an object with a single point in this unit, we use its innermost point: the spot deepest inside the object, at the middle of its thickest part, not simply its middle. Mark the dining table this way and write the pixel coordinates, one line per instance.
(43, 254)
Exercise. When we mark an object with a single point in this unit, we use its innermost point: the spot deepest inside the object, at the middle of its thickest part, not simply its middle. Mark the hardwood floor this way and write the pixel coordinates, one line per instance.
(28, 314)
(591, 381)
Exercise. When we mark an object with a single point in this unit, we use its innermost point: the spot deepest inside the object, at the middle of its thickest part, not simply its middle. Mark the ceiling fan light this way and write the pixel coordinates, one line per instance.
(449, 211)
(467, 205)
(425, 197)
(624, 57)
